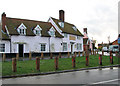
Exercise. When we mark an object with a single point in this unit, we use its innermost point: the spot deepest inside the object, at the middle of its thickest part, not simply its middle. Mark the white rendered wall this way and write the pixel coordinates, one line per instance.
(7, 45)
(55, 44)
(66, 40)
(31, 43)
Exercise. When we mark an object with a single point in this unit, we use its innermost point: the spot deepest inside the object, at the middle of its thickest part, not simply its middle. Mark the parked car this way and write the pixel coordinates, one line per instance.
(104, 49)
(114, 48)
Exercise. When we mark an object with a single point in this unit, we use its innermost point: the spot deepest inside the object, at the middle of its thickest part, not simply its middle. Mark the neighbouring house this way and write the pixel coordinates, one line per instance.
(87, 41)
(23, 36)
(114, 42)
(100, 46)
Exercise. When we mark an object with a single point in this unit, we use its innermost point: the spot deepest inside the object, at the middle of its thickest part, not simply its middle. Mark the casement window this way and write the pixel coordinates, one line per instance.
(22, 29)
(65, 35)
(37, 30)
(79, 46)
(52, 32)
(74, 28)
(61, 24)
(43, 47)
(78, 37)
(64, 46)
(2, 47)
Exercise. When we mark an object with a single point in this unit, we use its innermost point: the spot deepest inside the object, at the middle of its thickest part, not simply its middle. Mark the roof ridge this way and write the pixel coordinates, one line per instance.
(65, 22)
(27, 20)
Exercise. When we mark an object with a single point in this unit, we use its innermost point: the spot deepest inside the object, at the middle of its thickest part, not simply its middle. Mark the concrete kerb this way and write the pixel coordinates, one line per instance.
(55, 72)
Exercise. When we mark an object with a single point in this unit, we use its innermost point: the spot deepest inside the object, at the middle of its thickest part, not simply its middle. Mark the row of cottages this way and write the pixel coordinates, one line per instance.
(23, 36)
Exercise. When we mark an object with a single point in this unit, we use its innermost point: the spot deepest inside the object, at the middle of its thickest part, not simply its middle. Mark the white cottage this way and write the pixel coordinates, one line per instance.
(23, 36)
(73, 39)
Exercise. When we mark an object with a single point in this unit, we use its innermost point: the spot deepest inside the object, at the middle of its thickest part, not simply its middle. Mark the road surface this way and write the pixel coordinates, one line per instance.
(93, 77)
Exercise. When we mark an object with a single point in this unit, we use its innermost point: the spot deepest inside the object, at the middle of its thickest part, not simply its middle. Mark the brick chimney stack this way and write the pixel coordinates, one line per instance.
(85, 30)
(3, 21)
(61, 15)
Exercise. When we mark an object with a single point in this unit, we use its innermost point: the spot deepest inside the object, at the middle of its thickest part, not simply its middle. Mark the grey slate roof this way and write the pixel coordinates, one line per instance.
(13, 23)
(67, 28)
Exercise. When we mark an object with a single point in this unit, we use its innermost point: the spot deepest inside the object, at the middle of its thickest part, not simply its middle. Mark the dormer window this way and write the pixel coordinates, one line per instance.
(37, 30)
(22, 29)
(74, 28)
(52, 32)
(61, 24)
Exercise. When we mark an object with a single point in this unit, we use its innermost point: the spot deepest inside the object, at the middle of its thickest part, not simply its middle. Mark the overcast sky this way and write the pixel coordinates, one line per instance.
(99, 16)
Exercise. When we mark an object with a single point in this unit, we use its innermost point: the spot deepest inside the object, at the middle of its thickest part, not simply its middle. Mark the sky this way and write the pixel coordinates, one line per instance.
(100, 17)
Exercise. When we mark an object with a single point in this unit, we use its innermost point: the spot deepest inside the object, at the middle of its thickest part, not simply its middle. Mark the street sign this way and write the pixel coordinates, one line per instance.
(119, 40)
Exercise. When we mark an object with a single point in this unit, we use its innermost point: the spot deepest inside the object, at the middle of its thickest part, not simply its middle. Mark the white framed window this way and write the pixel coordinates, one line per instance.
(37, 30)
(22, 29)
(61, 24)
(43, 47)
(65, 35)
(79, 46)
(52, 32)
(74, 28)
(78, 37)
(64, 46)
(2, 47)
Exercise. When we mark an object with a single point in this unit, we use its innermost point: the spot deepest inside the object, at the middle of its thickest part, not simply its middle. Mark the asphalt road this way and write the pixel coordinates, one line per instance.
(93, 77)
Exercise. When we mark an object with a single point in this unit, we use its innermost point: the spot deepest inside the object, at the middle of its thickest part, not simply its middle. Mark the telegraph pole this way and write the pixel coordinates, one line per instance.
(119, 47)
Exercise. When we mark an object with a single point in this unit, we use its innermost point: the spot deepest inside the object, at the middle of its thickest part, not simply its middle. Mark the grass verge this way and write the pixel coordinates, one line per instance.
(27, 67)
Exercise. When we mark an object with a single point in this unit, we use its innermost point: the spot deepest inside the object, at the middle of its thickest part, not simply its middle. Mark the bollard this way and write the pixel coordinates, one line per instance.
(73, 61)
(56, 63)
(14, 65)
(102, 53)
(30, 55)
(37, 63)
(111, 59)
(42, 55)
(4, 57)
(79, 54)
(75, 55)
(51, 56)
(110, 53)
(87, 60)
(83, 53)
(17, 56)
(100, 59)
(93, 52)
(59, 54)
(68, 55)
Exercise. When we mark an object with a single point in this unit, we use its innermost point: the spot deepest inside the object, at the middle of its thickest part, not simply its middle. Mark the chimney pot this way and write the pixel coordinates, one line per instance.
(85, 30)
(61, 15)
(3, 21)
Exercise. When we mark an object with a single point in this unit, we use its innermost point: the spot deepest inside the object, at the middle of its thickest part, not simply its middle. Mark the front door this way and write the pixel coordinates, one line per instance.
(71, 48)
(21, 50)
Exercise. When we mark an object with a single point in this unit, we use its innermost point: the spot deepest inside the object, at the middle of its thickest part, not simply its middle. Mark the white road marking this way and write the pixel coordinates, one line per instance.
(106, 81)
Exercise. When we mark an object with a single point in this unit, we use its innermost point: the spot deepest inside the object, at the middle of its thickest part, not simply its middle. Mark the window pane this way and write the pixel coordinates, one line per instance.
(22, 31)
(2, 47)
(64, 46)
(52, 33)
(43, 47)
(65, 35)
(79, 46)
